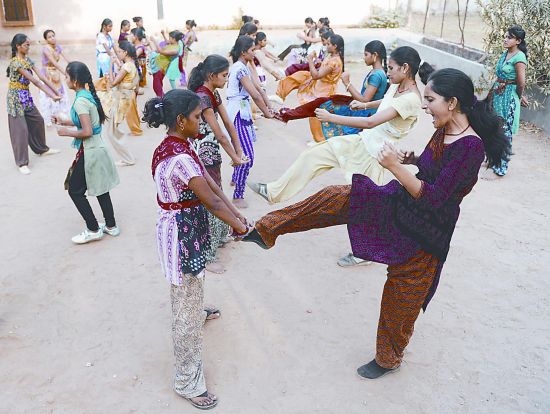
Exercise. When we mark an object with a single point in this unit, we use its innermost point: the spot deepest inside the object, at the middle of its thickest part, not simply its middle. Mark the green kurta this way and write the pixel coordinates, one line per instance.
(505, 97)
(101, 173)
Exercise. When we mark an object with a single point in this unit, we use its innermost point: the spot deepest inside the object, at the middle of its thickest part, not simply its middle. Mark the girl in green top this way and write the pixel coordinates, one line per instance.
(507, 91)
(93, 169)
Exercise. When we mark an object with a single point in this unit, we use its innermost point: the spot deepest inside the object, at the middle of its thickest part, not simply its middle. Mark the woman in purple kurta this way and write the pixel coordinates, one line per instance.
(408, 223)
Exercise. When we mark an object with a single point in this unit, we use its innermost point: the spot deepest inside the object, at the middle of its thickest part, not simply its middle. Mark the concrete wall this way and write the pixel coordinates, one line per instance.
(440, 59)
(540, 117)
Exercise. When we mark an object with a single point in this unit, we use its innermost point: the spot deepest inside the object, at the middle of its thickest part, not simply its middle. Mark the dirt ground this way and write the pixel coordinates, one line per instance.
(86, 329)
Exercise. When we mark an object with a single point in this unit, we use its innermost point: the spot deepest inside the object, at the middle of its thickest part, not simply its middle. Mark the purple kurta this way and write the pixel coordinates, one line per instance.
(388, 225)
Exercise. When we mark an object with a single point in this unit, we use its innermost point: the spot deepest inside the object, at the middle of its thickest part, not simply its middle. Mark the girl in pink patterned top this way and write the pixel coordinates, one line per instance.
(185, 192)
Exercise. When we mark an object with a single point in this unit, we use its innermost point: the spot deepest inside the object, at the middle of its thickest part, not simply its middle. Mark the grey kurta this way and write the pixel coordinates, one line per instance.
(101, 173)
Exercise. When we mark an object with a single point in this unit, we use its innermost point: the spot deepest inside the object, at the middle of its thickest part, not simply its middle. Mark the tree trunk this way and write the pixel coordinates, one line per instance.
(160, 10)
(460, 27)
(464, 22)
(409, 12)
(428, 4)
(443, 18)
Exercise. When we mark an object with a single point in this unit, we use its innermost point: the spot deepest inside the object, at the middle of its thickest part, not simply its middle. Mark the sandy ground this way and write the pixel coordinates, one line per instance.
(86, 329)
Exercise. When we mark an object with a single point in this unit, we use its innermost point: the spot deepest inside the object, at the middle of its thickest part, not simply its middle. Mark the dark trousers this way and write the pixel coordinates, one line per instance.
(27, 131)
(285, 52)
(77, 191)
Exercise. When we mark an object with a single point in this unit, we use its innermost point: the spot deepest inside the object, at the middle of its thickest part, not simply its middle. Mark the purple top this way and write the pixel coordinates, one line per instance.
(122, 37)
(388, 225)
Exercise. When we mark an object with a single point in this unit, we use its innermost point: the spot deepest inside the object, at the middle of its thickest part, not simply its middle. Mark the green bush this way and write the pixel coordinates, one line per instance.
(382, 20)
(534, 17)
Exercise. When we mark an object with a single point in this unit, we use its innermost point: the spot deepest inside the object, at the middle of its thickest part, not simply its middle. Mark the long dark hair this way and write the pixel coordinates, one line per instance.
(139, 33)
(376, 46)
(246, 19)
(518, 32)
(123, 23)
(17, 40)
(248, 29)
(213, 64)
(324, 21)
(165, 111)
(259, 37)
(176, 34)
(408, 55)
(79, 72)
(131, 51)
(338, 41)
(242, 44)
(105, 22)
(453, 83)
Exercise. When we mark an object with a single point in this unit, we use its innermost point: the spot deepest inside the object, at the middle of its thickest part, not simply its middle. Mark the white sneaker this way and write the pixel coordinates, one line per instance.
(24, 170)
(113, 231)
(51, 151)
(87, 236)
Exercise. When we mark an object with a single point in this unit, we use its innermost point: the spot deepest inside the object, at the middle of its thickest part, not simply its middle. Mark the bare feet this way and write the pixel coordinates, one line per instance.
(488, 175)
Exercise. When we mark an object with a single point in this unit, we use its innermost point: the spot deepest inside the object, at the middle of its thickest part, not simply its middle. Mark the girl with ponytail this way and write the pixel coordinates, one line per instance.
(185, 193)
(189, 38)
(26, 125)
(242, 86)
(119, 100)
(396, 115)
(507, 92)
(206, 78)
(93, 170)
(407, 223)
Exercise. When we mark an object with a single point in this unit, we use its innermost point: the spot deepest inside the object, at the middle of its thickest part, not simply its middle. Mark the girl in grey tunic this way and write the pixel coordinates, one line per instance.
(93, 169)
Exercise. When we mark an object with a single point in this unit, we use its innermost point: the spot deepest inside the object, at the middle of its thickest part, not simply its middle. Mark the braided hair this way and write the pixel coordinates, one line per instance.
(17, 40)
(338, 41)
(213, 64)
(78, 72)
(131, 51)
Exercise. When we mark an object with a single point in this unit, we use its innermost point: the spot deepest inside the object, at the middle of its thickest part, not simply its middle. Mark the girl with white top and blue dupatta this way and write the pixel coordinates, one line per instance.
(104, 49)
(93, 169)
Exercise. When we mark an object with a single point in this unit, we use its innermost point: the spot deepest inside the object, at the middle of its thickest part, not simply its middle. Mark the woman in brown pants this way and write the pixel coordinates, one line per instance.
(407, 223)
(25, 123)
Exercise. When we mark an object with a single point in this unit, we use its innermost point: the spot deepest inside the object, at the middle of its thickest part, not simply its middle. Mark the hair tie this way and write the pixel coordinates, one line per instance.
(158, 105)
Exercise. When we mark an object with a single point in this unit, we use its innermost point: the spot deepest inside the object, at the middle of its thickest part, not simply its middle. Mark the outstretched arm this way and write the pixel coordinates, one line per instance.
(357, 121)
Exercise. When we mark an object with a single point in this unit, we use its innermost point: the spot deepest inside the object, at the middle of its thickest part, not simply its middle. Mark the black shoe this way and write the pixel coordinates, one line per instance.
(372, 370)
(255, 237)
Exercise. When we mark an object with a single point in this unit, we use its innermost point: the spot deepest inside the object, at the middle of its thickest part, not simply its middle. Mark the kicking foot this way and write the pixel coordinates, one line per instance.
(215, 267)
(205, 401)
(350, 260)
(255, 237)
(51, 151)
(240, 203)
(260, 189)
(212, 313)
(24, 170)
(372, 370)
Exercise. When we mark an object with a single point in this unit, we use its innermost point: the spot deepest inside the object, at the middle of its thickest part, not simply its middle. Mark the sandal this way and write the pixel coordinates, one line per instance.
(209, 401)
(212, 313)
(350, 260)
(373, 371)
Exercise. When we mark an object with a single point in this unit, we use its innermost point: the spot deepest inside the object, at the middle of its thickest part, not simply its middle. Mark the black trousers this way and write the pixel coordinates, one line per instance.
(77, 192)
(285, 52)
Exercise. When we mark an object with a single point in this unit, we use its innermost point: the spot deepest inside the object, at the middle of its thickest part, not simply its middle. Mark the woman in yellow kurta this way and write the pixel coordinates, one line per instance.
(117, 102)
(317, 83)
